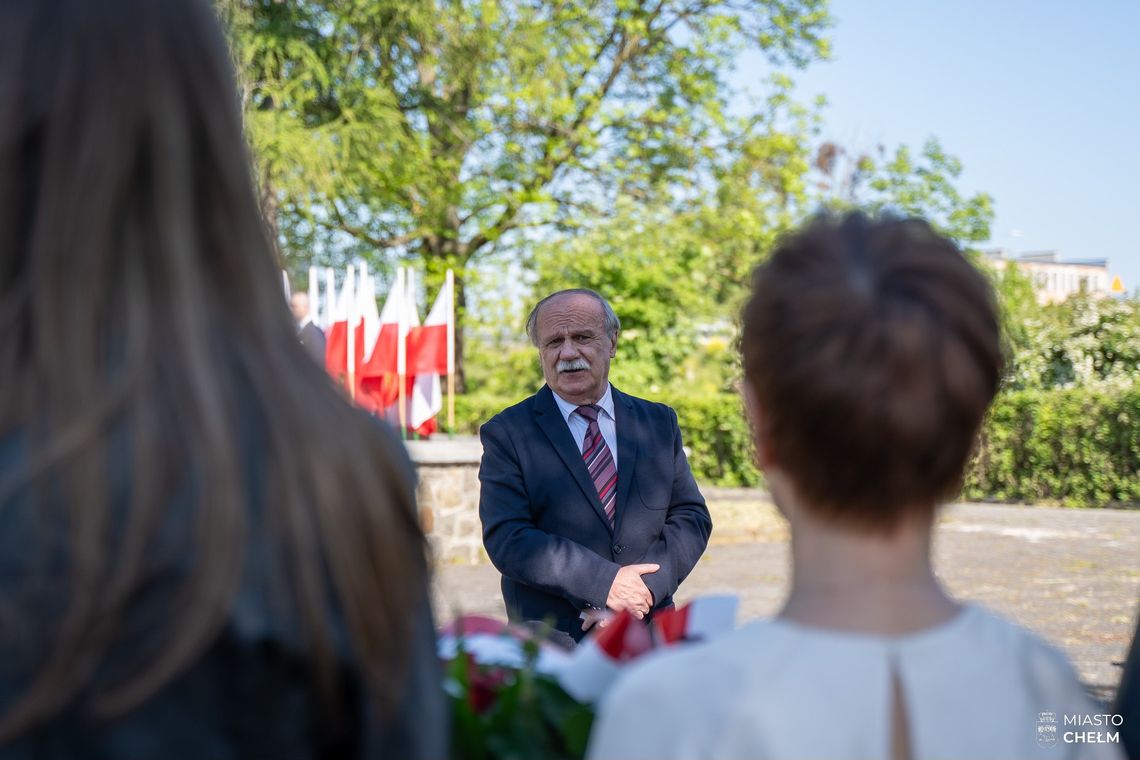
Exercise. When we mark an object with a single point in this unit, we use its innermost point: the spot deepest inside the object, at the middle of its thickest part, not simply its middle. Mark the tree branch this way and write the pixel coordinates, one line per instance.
(357, 232)
(552, 162)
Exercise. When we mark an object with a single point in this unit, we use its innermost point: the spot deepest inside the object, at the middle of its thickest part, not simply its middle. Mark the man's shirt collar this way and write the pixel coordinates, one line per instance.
(606, 402)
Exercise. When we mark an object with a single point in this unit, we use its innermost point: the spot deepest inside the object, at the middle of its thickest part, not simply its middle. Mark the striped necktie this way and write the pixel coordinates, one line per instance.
(599, 460)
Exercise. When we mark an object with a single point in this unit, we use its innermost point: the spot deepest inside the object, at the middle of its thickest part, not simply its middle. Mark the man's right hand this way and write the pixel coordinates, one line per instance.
(629, 592)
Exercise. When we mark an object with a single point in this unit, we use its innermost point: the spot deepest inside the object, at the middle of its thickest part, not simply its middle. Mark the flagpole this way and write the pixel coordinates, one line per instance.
(362, 277)
(350, 331)
(451, 353)
(314, 297)
(330, 298)
(402, 352)
(285, 285)
(409, 310)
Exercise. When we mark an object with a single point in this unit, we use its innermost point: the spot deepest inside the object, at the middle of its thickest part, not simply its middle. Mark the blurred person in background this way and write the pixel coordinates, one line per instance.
(871, 351)
(204, 550)
(311, 336)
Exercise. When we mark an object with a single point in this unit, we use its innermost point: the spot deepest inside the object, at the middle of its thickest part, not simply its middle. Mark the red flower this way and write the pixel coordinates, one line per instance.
(625, 638)
(485, 684)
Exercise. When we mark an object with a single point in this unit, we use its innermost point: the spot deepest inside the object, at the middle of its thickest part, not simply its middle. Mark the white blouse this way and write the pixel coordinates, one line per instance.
(976, 686)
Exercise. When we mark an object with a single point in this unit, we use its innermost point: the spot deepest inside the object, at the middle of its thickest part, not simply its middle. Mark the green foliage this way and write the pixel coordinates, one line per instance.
(926, 188)
(677, 271)
(923, 186)
(500, 713)
(500, 360)
(717, 435)
(1083, 341)
(442, 129)
(535, 146)
(653, 274)
(473, 409)
(712, 426)
(1075, 447)
(1019, 312)
(676, 266)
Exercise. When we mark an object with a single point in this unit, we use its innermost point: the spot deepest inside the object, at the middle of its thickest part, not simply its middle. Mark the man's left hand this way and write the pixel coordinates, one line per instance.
(599, 618)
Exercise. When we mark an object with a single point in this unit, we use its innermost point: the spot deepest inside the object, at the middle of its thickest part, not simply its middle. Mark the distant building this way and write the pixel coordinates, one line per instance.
(1056, 280)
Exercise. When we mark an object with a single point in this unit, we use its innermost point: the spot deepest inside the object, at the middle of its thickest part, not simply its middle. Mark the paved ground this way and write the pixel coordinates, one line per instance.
(1073, 576)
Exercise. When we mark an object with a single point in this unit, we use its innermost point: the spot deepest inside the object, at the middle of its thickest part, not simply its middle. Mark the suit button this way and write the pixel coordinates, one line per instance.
(618, 548)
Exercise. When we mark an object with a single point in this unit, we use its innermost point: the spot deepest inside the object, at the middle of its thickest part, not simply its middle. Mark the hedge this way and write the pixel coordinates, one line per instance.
(1078, 447)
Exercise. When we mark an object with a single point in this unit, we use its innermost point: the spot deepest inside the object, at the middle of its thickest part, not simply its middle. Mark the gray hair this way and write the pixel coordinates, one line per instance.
(613, 324)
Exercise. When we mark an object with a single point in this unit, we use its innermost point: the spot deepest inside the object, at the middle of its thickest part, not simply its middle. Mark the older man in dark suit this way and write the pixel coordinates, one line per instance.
(587, 502)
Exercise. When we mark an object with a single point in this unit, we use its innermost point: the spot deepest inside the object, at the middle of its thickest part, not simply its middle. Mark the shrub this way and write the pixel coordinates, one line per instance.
(712, 427)
(1075, 447)
(1078, 447)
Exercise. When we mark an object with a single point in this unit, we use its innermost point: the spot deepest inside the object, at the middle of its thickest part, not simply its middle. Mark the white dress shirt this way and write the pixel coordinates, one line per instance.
(976, 686)
(579, 424)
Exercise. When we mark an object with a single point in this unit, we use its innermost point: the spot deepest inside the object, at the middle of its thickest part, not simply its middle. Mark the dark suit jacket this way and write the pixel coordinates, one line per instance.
(313, 339)
(544, 527)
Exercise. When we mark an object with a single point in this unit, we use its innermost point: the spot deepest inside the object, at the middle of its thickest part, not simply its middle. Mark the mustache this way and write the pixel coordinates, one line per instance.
(571, 364)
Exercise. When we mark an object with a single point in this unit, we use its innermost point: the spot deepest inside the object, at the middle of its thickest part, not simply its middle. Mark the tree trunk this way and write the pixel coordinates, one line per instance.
(269, 212)
(460, 320)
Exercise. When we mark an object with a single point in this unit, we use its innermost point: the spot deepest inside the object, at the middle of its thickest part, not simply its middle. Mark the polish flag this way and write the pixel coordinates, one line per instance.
(426, 396)
(427, 345)
(379, 375)
(336, 345)
(423, 395)
(367, 335)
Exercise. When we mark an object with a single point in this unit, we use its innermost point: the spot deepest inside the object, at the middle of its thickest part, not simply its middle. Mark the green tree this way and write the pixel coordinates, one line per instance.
(678, 270)
(1022, 320)
(1082, 341)
(439, 128)
(676, 265)
(924, 185)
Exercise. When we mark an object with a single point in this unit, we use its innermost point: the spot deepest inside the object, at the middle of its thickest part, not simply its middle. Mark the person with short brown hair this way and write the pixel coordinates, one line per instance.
(871, 351)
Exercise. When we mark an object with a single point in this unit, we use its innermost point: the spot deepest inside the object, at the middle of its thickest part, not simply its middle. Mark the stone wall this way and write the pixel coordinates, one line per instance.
(448, 496)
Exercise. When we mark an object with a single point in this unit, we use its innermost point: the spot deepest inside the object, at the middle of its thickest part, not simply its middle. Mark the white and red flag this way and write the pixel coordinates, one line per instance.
(367, 334)
(428, 358)
(417, 414)
(336, 342)
(389, 346)
(380, 373)
(428, 344)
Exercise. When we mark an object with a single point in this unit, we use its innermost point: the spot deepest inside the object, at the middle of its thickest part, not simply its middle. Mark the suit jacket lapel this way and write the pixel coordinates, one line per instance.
(627, 429)
(550, 420)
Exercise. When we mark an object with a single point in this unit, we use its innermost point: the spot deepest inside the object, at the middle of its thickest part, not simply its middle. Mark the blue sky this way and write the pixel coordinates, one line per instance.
(1039, 100)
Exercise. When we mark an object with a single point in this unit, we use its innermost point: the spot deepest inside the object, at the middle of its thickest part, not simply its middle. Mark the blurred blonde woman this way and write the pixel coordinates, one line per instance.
(204, 551)
(871, 351)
